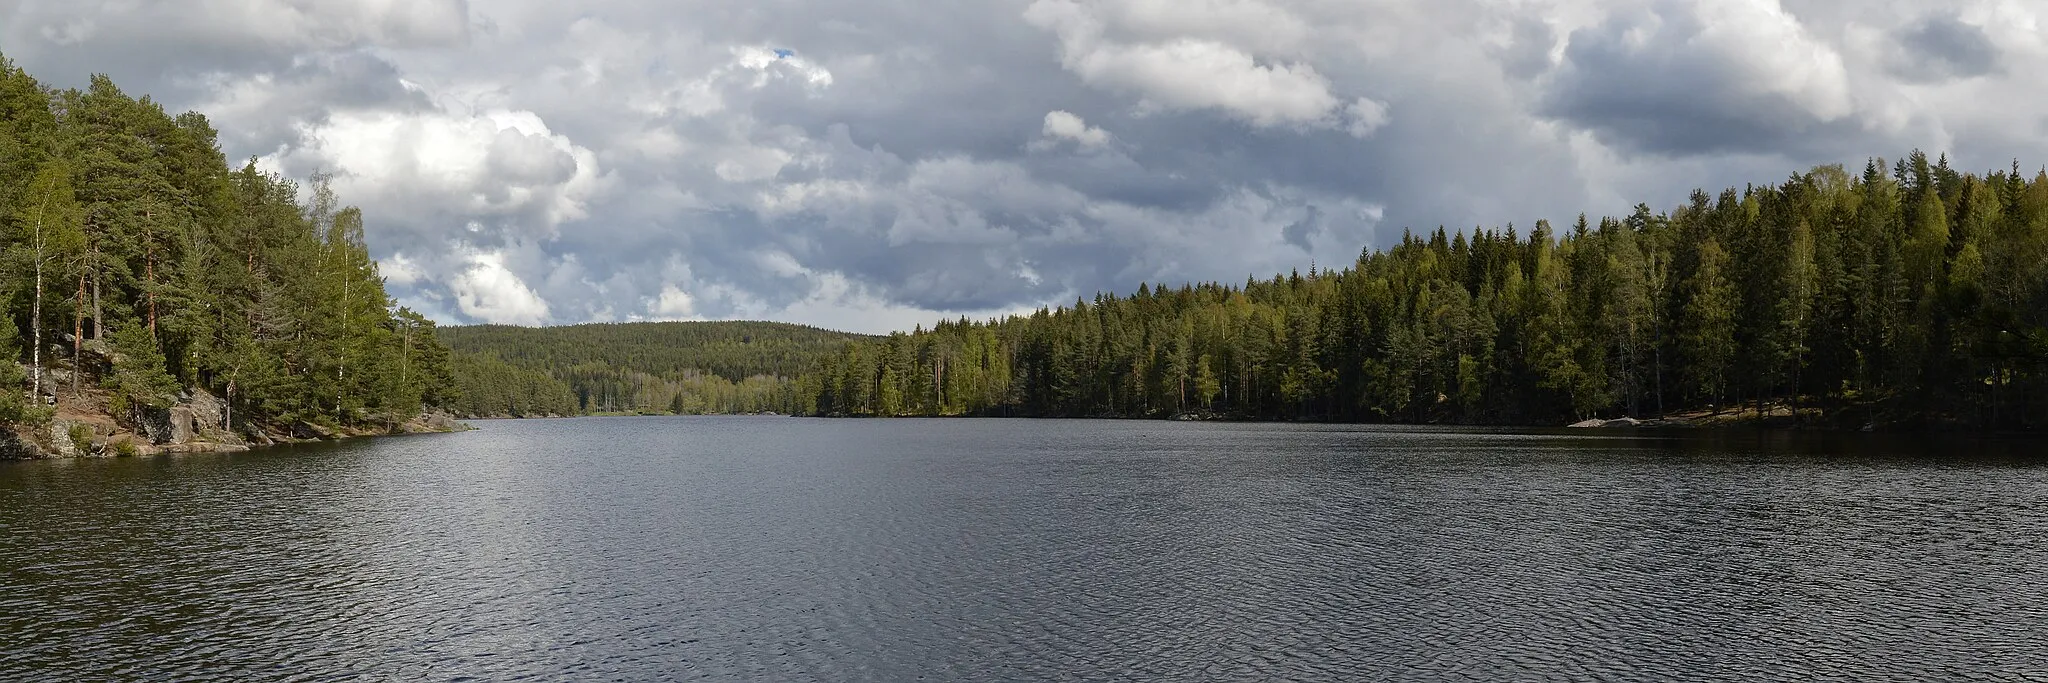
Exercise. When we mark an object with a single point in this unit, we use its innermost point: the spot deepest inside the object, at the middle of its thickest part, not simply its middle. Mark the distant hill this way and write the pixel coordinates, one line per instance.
(674, 367)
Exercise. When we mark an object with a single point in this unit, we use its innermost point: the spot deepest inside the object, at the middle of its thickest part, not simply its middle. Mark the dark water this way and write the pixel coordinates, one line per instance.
(788, 549)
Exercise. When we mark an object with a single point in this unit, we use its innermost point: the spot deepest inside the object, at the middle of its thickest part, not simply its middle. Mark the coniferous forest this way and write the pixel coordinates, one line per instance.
(1906, 295)
(140, 266)
(683, 368)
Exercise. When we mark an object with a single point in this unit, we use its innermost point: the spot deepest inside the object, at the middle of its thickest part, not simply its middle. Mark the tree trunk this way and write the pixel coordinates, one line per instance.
(149, 272)
(1660, 380)
(78, 336)
(35, 322)
(1795, 391)
(99, 325)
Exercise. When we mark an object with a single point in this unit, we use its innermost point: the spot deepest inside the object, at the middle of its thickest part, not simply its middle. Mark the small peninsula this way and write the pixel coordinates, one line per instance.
(159, 300)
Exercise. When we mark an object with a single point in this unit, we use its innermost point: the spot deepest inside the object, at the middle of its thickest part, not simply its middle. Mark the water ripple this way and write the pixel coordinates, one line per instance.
(784, 549)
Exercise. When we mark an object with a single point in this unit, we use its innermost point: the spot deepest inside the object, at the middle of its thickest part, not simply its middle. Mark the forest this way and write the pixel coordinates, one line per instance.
(684, 368)
(1909, 295)
(141, 267)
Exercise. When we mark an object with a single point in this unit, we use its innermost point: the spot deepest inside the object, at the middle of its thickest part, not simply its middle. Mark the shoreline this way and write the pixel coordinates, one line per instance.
(15, 448)
(1675, 423)
(82, 426)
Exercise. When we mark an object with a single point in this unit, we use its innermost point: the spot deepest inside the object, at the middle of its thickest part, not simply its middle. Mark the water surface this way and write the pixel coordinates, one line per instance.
(894, 550)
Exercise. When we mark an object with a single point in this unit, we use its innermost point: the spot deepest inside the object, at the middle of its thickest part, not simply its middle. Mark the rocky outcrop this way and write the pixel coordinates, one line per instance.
(307, 431)
(14, 447)
(154, 423)
(182, 428)
(1630, 422)
(435, 422)
(198, 423)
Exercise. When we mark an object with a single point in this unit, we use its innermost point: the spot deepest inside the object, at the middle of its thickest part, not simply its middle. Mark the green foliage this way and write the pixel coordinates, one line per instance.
(139, 377)
(1920, 298)
(115, 215)
(684, 368)
(734, 350)
(81, 437)
(493, 388)
(15, 407)
(126, 449)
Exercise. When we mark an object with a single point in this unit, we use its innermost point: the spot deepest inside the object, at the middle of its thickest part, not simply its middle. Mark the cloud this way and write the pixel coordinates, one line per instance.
(1197, 73)
(1062, 125)
(1700, 76)
(499, 166)
(877, 165)
(1942, 47)
(489, 292)
(674, 304)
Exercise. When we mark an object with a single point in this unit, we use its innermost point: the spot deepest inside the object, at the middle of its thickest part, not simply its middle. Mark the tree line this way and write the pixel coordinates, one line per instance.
(683, 368)
(140, 264)
(1910, 294)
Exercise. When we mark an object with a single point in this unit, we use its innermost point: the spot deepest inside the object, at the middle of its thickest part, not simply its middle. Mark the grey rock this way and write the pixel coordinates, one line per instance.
(182, 428)
(307, 431)
(208, 411)
(154, 423)
(14, 447)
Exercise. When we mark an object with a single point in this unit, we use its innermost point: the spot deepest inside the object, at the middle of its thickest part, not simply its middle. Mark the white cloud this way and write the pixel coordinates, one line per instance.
(1364, 116)
(398, 269)
(751, 164)
(1178, 71)
(1262, 26)
(1776, 54)
(499, 163)
(487, 291)
(771, 62)
(674, 304)
(1062, 125)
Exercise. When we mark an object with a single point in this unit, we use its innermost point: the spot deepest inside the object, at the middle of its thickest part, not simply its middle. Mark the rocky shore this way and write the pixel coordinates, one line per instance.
(84, 425)
(1771, 415)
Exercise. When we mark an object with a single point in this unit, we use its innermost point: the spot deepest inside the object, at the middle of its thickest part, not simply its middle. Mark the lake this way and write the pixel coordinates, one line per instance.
(894, 550)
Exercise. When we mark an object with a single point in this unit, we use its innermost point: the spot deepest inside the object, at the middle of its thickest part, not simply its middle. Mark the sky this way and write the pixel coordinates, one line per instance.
(872, 165)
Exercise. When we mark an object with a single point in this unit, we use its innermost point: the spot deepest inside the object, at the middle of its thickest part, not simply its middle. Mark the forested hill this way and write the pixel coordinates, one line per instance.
(1908, 294)
(143, 275)
(673, 367)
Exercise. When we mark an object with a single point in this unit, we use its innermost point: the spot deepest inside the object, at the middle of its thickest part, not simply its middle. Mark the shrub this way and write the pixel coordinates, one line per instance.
(81, 438)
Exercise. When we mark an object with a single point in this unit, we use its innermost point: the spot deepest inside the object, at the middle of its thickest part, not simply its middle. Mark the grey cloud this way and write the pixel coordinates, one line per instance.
(1640, 84)
(913, 185)
(1940, 48)
(1527, 52)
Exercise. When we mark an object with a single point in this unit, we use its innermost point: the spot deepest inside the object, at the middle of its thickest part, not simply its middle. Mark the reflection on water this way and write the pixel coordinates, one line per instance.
(789, 549)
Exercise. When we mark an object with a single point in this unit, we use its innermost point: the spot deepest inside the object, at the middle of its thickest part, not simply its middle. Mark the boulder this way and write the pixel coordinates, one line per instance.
(14, 447)
(60, 437)
(208, 411)
(1589, 424)
(439, 421)
(154, 423)
(182, 428)
(307, 431)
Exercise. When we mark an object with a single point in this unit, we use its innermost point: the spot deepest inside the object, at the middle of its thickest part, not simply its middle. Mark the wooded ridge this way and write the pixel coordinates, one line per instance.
(686, 368)
(1909, 295)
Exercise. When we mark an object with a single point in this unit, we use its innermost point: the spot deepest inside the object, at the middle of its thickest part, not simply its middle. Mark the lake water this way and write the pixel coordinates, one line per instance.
(896, 550)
